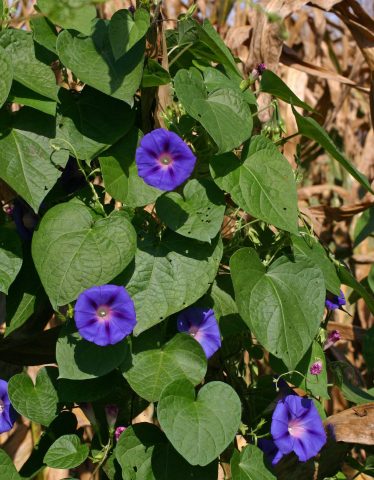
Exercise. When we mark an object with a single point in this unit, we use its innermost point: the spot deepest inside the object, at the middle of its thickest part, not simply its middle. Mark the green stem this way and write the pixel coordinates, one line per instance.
(81, 168)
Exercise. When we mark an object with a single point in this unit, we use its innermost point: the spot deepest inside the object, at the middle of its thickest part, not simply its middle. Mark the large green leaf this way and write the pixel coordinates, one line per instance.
(262, 183)
(214, 79)
(144, 453)
(149, 369)
(27, 161)
(316, 384)
(25, 96)
(37, 402)
(154, 74)
(311, 129)
(7, 469)
(310, 247)
(250, 464)
(271, 83)
(120, 79)
(67, 240)
(170, 275)
(6, 78)
(120, 173)
(69, 14)
(207, 43)
(66, 452)
(126, 30)
(283, 305)
(79, 359)
(44, 32)
(199, 428)
(26, 297)
(198, 214)
(10, 257)
(37, 76)
(223, 112)
(91, 122)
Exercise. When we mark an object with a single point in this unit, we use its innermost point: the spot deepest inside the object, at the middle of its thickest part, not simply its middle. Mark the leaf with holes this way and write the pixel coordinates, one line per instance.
(224, 113)
(198, 214)
(262, 183)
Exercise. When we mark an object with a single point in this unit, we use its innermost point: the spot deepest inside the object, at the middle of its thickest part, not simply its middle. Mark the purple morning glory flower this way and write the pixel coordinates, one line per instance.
(7, 413)
(333, 337)
(105, 315)
(335, 301)
(164, 160)
(270, 450)
(201, 324)
(297, 427)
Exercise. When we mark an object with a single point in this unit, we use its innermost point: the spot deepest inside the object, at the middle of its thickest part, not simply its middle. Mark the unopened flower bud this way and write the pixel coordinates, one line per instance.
(111, 413)
(332, 338)
(119, 430)
(316, 368)
(89, 412)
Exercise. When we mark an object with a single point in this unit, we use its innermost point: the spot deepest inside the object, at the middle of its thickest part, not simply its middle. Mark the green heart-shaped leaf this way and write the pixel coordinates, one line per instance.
(198, 215)
(144, 453)
(170, 275)
(125, 30)
(37, 402)
(69, 236)
(120, 78)
(283, 305)
(6, 76)
(199, 428)
(90, 122)
(7, 469)
(69, 16)
(250, 464)
(262, 183)
(224, 113)
(26, 153)
(66, 452)
(10, 257)
(19, 48)
(79, 359)
(304, 244)
(150, 370)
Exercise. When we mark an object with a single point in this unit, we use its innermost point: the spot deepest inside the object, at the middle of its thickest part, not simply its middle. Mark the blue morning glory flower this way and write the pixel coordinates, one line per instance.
(105, 315)
(164, 160)
(7, 413)
(335, 301)
(297, 427)
(202, 325)
(270, 449)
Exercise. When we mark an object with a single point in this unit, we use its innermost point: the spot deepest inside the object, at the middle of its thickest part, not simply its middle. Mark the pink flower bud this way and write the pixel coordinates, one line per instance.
(332, 338)
(111, 412)
(89, 412)
(316, 367)
(118, 432)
